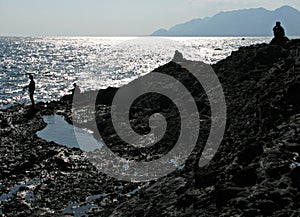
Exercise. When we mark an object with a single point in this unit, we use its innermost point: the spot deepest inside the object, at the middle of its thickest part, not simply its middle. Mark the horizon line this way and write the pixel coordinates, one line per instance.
(128, 36)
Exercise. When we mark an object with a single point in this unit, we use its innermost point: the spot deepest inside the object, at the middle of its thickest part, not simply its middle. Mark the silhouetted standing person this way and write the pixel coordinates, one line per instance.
(279, 35)
(31, 88)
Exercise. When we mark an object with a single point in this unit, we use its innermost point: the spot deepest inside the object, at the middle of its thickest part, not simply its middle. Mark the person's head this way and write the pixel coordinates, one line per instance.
(30, 77)
(278, 23)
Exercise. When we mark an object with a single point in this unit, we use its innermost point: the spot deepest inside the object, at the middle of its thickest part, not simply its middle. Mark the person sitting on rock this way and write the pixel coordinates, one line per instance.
(278, 30)
(279, 34)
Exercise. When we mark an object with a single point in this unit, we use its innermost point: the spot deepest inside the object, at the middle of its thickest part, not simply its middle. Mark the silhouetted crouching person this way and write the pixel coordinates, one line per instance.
(31, 88)
(279, 35)
(76, 89)
(77, 95)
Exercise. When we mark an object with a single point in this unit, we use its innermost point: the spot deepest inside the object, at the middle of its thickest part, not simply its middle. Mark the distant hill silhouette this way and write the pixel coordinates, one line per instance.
(246, 22)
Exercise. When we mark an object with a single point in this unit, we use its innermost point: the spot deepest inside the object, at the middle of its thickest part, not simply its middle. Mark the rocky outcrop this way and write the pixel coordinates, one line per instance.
(254, 173)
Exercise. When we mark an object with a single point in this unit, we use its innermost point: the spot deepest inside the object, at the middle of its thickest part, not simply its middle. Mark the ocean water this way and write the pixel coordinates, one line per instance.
(96, 62)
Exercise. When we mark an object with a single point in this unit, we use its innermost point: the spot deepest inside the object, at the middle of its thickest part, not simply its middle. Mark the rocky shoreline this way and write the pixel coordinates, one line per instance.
(255, 172)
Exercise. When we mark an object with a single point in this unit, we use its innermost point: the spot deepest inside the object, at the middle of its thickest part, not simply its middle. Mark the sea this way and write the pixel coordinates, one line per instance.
(96, 62)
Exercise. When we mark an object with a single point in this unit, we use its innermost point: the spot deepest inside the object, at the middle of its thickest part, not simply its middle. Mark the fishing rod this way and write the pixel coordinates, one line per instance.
(19, 87)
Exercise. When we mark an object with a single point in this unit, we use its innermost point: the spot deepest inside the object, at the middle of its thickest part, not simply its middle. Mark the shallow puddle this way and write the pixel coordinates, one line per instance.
(63, 133)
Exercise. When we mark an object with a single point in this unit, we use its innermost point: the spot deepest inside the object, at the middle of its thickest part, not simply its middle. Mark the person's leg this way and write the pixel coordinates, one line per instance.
(32, 99)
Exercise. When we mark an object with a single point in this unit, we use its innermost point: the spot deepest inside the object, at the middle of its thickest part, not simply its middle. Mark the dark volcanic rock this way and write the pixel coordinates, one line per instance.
(295, 176)
(204, 178)
(295, 147)
(105, 96)
(246, 177)
(224, 194)
(293, 96)
(248, 153)
(268, 207)
(268, 54)
(255, 154)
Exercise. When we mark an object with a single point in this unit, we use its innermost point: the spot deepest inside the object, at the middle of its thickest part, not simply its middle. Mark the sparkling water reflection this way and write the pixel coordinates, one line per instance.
(58, 62)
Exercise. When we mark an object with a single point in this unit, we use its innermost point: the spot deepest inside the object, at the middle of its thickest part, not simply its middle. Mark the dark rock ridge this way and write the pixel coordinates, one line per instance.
(246, 22)
(254, 173)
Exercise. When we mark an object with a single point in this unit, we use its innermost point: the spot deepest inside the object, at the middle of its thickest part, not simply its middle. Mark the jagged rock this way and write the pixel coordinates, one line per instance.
(105, 96)
(241, 203)
(266, 55)
(295, 176)
(224, 194)
(294, 147)
(205, 178)
(279, 41)
(292, 96)
(246, 177)
(280, 197)
(248, 153)
(268, 207)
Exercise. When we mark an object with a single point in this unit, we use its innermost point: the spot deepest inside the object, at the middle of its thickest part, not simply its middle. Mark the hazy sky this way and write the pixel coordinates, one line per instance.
(112, 17)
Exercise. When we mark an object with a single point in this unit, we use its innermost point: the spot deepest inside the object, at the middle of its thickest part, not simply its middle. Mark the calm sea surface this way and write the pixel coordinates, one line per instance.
(96, 62)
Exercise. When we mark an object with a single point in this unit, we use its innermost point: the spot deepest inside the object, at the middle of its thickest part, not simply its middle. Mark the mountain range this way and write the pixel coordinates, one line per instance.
(245, 22)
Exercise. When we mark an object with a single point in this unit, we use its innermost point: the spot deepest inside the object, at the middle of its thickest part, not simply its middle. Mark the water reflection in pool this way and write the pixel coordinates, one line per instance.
(61, 132)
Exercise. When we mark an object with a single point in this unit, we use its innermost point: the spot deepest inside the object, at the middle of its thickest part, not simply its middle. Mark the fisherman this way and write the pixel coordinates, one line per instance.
(31, 88)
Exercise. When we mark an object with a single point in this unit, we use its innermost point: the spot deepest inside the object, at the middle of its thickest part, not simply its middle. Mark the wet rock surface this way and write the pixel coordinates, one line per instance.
(254, 173)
